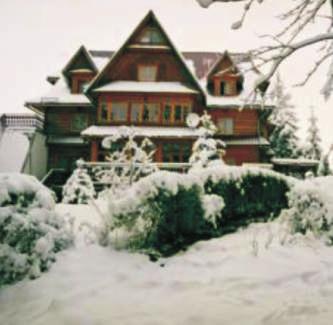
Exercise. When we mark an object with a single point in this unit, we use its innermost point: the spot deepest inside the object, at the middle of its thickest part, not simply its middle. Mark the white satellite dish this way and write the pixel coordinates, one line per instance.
(192, 120)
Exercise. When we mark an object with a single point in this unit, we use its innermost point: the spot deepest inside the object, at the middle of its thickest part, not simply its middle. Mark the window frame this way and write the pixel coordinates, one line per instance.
(224, 128)
(126, 106)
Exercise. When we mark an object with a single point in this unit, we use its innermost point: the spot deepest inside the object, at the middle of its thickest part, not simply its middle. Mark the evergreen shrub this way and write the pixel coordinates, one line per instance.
(249, 194)
(31, 232)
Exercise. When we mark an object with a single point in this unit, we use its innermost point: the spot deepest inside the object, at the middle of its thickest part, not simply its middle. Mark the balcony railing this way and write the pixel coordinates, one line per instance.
(21, 121)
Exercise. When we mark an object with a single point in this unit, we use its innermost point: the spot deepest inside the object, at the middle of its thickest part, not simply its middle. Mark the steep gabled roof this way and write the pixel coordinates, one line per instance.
(149, 17)
(73, 63)
(215, 67)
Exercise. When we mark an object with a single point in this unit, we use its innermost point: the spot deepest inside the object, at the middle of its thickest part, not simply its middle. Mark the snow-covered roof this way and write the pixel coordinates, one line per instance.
(164, 132)
(65, 140)
(256, 141)
(246, 98)
(142, 131)
(147, 87)
(295, 162)
(58, 95)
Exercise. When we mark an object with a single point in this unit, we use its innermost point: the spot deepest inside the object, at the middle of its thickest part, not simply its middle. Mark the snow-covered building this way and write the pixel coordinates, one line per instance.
(150, 85)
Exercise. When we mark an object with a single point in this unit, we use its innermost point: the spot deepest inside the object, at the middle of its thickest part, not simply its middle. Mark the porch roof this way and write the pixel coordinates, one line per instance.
(165, 132)
(147, 87)
(142, 131)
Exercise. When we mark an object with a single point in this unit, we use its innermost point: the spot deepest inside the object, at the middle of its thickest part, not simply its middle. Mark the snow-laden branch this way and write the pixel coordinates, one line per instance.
(294, 21)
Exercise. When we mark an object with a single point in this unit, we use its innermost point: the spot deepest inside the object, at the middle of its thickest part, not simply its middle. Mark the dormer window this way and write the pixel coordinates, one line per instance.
(227, 88)
(82, 86)
(151, 36)
(147, 73)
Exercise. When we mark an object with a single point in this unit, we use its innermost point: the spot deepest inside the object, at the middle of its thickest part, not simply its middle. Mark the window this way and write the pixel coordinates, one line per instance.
(227, 88)
(151, 112)
(147, 73)
(136, 112)
(79, 122)
(226, 126)
(186, 110)
(82, 86)
(119, 111)
(176, 152)
(151, 36)
(178, 113)
(103, 111)
(167, 113)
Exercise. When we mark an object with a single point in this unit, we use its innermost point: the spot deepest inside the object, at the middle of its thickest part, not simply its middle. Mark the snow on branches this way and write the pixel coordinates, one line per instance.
(79, 188)
(283, 139)
(313, 148)
(129, 161)
(291, 38)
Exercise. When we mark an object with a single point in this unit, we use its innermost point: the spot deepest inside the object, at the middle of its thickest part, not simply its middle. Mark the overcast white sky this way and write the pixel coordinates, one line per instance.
(37, 38)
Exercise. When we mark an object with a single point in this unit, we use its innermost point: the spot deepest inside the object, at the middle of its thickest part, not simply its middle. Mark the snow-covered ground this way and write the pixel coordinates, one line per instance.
(242, 278)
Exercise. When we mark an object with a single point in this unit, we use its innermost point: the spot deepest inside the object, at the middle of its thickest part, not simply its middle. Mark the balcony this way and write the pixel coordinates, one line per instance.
(21, 121)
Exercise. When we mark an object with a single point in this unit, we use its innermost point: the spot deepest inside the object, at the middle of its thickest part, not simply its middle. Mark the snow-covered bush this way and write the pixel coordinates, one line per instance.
(311, 208)
(79, 188)
(129, 160)
(31, 232)
(249, 194)
(164, 212)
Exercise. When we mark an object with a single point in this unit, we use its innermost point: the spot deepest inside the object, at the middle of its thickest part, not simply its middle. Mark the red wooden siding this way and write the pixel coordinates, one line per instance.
(241, 154)
(65, 156)
(169, 68)
(245, 121)
(76, 78)
(61, 120)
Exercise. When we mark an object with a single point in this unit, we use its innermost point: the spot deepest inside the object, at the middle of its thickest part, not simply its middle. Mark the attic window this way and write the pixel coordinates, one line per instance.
(226, 88)
(151, 36)
(82, 86)
(147, 72)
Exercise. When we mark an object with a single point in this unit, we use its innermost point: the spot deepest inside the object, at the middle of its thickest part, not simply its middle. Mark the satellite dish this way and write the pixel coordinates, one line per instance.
(192, 120)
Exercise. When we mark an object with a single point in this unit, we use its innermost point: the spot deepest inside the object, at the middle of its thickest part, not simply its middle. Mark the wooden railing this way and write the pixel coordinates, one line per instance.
(21, 121)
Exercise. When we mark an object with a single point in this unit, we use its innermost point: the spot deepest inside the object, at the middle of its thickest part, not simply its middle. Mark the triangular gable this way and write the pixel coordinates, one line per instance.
(219, 65)
(80, 60)
(150, 18)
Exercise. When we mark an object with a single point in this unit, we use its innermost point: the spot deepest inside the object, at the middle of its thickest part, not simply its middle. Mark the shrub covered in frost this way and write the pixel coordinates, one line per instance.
(165, 212)
(249, 194)
(30, 230)
(79, 188)
(311, 208)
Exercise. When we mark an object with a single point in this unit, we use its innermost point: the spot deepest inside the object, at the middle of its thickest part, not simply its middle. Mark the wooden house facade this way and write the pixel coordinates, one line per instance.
(149, 85)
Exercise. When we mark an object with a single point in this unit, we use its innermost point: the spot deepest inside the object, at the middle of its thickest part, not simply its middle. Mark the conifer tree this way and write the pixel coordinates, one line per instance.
(79, 188)
(283, 140)
(312, 148)
(324, 168)
(206, 151)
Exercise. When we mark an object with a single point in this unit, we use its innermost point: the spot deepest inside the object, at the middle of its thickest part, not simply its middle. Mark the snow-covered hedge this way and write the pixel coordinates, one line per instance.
(30, 230)
(311, 208)
(165, 212)
(249, 194)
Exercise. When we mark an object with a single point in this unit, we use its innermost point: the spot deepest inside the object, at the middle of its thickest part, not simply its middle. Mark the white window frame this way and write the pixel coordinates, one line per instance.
(226, 126)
